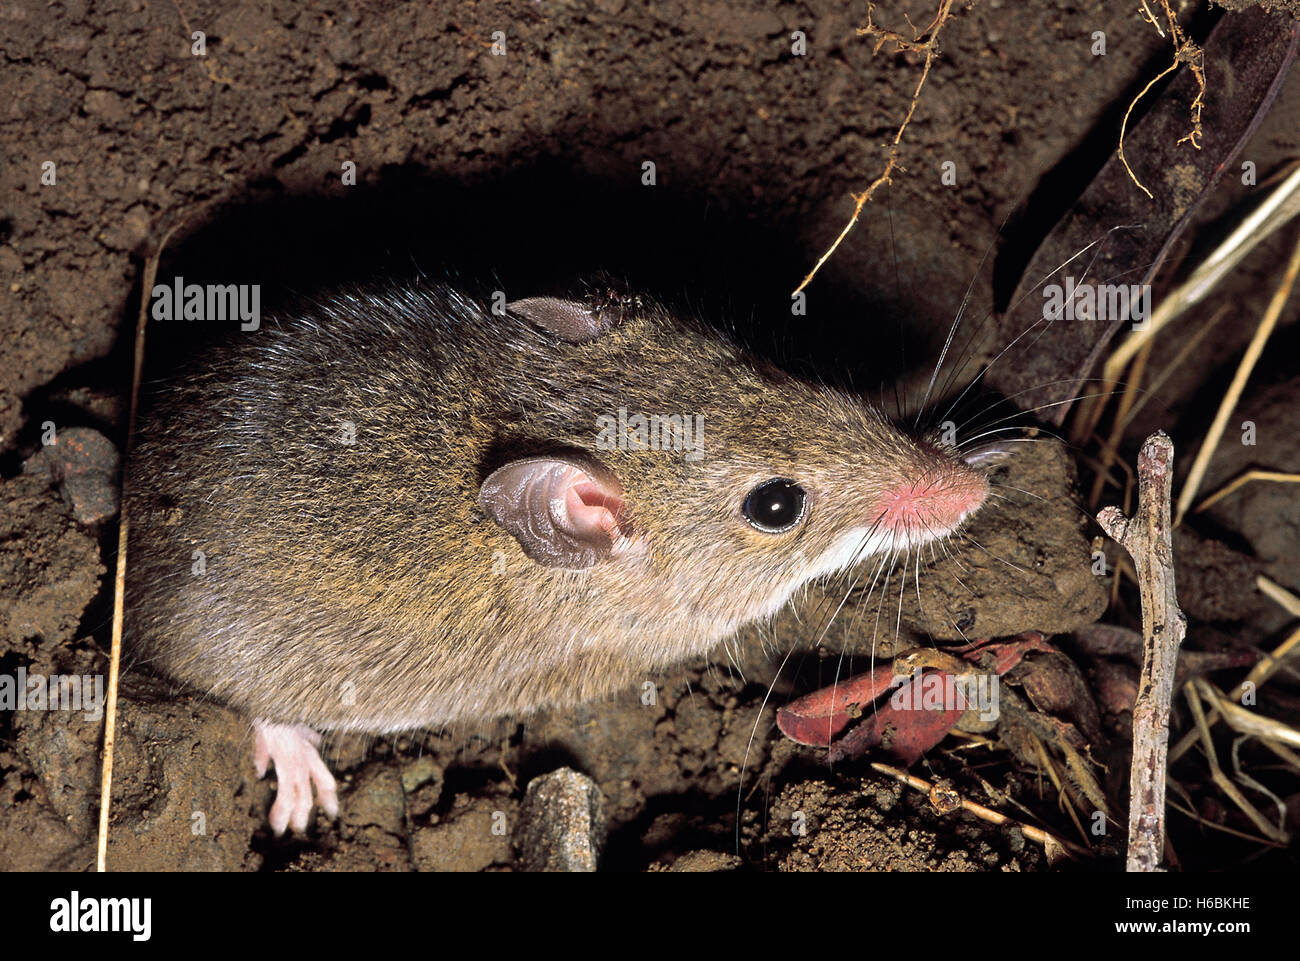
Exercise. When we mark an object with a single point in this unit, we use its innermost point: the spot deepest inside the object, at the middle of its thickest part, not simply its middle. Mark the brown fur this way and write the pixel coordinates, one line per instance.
(353, 587)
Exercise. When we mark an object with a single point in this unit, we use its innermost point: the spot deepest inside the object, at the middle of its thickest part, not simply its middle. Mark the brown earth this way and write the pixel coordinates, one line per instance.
(528, 167)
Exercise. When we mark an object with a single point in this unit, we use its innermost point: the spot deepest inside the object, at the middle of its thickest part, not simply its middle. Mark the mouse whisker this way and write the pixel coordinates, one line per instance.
(1043, 320)
(1041, 407)
(771, 687)
(1079, 508)
(1016, 411)
(952, 331)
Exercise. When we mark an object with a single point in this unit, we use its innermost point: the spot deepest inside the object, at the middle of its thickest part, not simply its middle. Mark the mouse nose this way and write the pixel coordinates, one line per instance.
(933, 504)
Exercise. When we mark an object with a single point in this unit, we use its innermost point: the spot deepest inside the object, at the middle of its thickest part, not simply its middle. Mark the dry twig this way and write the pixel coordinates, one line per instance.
(1184, 52)
(1278, 594)
(1229, 402)
(1147, 538)
(929, 47)
(1274, 212)
(1243, 479)
(1055, 846)
(1222, 781)
(119, 579)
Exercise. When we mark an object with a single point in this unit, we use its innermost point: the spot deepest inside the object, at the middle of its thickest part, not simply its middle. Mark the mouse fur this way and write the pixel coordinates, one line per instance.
(322, 531)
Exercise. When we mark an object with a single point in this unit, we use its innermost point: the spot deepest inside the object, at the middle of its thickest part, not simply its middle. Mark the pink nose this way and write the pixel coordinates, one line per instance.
(933, 505)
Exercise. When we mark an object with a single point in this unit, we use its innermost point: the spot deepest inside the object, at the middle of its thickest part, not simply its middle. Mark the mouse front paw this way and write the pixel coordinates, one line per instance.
(293, 750)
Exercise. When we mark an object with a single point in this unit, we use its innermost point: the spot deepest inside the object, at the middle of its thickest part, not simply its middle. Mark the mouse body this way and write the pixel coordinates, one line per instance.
(399, 508)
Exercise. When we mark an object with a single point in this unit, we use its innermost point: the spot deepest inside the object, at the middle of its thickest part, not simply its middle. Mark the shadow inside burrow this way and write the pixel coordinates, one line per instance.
(539, 228)
(672, 825)
(543, 228)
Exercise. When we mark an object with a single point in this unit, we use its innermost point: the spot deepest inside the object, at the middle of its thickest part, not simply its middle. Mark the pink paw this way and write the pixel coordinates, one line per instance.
(298, 769)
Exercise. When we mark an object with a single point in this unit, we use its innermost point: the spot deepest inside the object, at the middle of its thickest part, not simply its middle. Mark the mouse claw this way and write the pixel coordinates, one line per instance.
(299, 773)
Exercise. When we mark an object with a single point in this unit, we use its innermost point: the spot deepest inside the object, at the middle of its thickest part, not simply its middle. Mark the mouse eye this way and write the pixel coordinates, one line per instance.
(775, 505)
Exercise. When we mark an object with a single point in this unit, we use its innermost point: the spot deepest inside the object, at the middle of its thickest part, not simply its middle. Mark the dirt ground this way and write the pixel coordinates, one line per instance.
(527, 168)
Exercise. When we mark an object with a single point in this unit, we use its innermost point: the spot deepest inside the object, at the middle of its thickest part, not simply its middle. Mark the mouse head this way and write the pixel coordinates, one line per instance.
(725, 481)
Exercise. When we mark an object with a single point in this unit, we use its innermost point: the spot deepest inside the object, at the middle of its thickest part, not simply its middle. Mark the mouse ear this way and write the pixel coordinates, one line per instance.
(563, 513)
(568, 320)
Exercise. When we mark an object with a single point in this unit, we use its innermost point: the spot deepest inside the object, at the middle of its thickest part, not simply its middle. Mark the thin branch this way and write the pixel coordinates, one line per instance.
(1229, 402)
(119, 579)
(1147, 537)
(930, 47)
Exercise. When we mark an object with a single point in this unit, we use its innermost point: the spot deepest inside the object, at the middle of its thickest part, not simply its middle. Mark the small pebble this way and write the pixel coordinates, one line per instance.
(84, 463)
(420, 772)
(562, 823)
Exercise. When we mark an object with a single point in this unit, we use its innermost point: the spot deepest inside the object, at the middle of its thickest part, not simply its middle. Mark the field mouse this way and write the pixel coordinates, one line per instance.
(399, 508)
